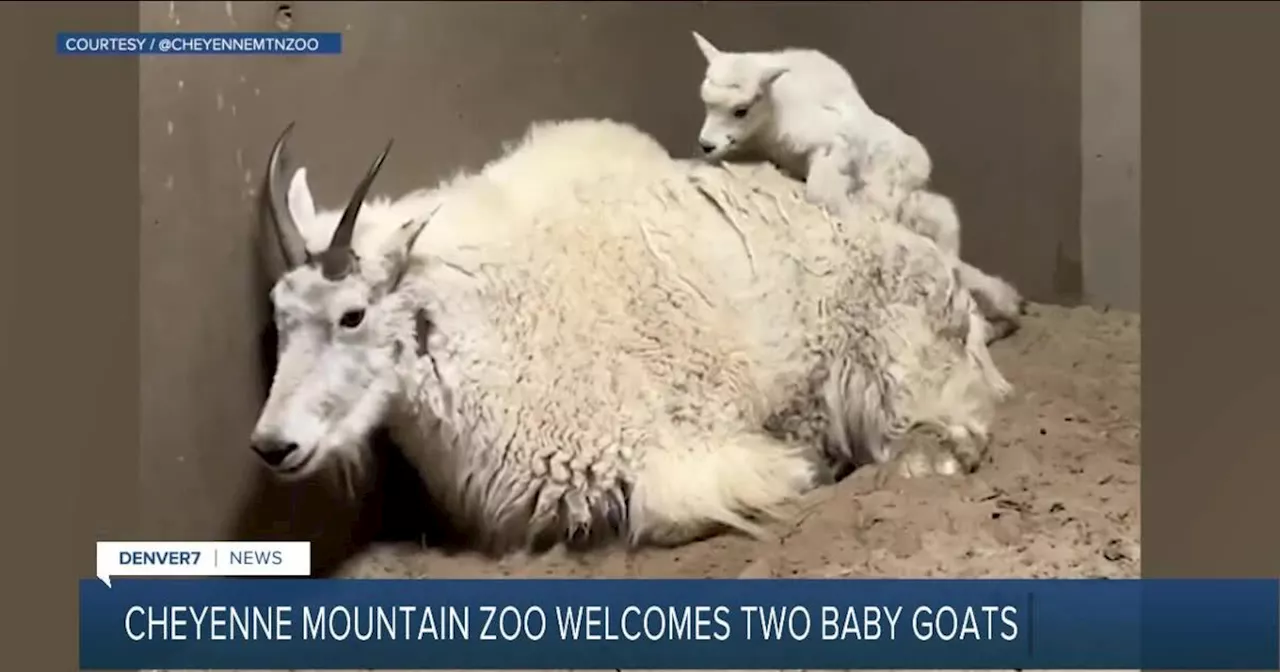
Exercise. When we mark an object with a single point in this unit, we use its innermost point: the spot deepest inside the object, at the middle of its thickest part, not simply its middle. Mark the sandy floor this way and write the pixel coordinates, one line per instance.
(1059, 497)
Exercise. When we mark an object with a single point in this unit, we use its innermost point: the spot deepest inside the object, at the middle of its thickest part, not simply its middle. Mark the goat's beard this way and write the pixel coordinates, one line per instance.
(349, 469)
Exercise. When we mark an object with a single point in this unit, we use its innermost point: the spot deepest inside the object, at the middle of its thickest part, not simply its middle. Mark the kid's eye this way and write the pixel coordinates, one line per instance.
(740, 112)
(351, 319)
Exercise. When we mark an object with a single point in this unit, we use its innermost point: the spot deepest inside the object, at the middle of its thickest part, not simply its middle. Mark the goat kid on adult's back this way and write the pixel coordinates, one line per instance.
(801, 110)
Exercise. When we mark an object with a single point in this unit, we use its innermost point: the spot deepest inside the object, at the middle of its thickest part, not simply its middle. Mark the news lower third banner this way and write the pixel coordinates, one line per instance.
(198, 44)
(291, 623)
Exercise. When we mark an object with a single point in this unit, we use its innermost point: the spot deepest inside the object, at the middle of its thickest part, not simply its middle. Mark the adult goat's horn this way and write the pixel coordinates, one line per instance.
(292, 245)
(338, 259)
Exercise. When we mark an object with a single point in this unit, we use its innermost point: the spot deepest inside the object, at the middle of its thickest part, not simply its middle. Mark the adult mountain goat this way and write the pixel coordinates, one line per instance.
(590, 339)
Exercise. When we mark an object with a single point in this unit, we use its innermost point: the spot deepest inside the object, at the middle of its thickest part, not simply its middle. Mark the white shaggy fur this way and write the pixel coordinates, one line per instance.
(592, 340)
(801, 110)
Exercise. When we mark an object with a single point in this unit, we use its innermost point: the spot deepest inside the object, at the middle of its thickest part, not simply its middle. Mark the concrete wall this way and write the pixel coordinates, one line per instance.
(993, 89)
(1110, 145)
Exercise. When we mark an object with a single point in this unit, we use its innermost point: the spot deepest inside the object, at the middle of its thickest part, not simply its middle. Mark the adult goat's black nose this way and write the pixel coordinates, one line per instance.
(273, 452)
(707, 149)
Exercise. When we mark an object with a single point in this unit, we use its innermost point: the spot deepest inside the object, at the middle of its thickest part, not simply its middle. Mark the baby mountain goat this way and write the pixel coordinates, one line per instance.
(588, 339)
(801, 110)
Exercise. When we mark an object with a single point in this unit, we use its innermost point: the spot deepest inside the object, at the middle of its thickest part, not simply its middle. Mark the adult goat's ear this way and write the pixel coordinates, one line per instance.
(399, 247)
(301, 204)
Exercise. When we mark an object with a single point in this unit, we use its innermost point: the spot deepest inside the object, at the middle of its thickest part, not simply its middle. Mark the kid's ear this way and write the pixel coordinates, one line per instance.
(708, 50)
(771, 73)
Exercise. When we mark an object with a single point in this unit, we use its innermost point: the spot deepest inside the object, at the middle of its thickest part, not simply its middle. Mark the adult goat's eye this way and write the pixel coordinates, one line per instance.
(351, 319)
(740, 112)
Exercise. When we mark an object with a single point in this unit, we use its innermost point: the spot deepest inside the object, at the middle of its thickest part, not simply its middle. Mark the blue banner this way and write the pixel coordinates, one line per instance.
(198, 44)
(666, 624)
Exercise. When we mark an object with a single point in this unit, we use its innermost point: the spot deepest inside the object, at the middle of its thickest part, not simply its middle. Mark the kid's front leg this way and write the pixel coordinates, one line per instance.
(829, 182)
